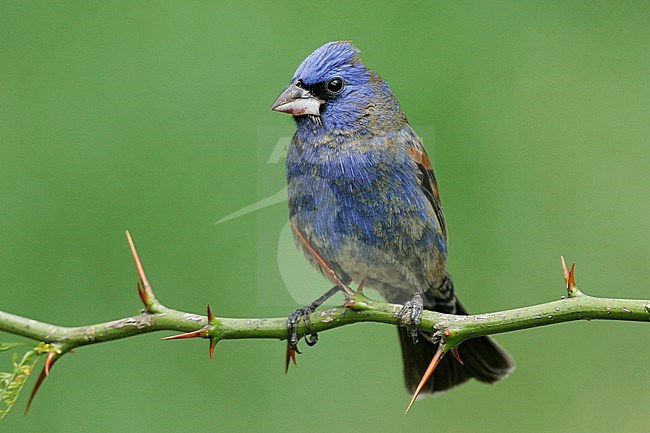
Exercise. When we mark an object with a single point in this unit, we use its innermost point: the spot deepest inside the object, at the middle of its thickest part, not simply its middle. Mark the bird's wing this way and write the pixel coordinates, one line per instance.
(428, 181)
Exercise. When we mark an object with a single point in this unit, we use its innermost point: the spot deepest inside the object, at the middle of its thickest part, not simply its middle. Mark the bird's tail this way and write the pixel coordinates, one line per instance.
(483, 359)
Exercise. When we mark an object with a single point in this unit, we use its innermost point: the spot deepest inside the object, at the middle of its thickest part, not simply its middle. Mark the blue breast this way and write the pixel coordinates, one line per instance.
(367, 195)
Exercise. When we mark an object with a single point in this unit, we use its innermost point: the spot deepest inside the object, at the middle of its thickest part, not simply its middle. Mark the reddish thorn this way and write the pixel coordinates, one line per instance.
(210, 315)
(427, 374)
(350, 303)
(44, 373)
(193, 334)
(571, 282)
(39, 381)
(144, 283)
(360, 286)
(291, 356)
(454, 351)
(213, 343)
(564, 269)
(49, 360)
(329, 272)
(142, 294)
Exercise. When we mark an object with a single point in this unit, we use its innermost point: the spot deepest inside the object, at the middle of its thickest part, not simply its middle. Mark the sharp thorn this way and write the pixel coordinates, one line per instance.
(360, 286)
(427, 374)
(290, 356)
(454, 351)
(213, 343)
(49, 360)
(37, 385)
(564, 269)
(193, 334)
(571, 282)
(144, 289)
(210, 315)
(142, 294)
(44, 373)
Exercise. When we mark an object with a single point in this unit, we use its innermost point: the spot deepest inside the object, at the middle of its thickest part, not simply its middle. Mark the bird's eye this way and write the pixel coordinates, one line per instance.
(335, 85)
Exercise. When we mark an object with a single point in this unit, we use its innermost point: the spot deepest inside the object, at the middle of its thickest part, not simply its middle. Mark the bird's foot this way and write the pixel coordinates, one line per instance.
(294, 318)
(292, 326)
(413, 310)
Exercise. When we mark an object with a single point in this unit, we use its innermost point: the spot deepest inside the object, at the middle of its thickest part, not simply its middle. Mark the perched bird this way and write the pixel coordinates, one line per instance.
(363, 194)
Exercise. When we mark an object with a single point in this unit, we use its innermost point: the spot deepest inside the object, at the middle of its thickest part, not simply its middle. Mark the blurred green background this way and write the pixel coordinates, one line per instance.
(153, 116)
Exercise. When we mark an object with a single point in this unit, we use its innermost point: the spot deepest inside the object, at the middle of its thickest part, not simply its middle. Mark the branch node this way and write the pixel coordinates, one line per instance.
(358, 302)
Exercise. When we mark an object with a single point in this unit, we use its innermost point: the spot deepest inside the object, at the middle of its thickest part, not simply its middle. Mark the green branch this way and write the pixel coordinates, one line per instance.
(450, 330)
(363, 310)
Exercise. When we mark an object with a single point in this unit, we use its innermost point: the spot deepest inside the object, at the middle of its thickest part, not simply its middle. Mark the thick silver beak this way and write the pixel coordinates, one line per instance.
(297, 101)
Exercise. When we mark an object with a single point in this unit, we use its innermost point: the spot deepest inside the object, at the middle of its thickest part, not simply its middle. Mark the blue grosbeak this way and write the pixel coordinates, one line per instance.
(363, 194)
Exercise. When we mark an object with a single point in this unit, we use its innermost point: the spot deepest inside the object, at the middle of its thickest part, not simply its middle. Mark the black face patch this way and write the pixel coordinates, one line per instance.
(327, 90)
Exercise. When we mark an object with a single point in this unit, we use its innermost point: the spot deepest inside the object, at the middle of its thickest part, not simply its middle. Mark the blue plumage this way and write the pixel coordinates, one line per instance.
(363, 193)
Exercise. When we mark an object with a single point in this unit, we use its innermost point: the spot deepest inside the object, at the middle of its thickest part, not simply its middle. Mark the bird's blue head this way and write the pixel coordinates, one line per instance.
(332, 91)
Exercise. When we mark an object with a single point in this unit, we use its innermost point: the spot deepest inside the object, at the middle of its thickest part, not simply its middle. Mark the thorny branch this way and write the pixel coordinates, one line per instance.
(451, 330)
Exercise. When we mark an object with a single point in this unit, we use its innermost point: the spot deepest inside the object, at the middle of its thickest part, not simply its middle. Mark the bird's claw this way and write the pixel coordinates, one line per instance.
(292, 327)
(292, 321)
(413, 309)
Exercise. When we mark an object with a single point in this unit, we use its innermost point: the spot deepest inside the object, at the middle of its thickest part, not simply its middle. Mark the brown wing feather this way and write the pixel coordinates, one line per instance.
(428, 182)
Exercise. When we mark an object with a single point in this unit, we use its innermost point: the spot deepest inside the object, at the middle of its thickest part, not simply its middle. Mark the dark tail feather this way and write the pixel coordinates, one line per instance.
(483, 359)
